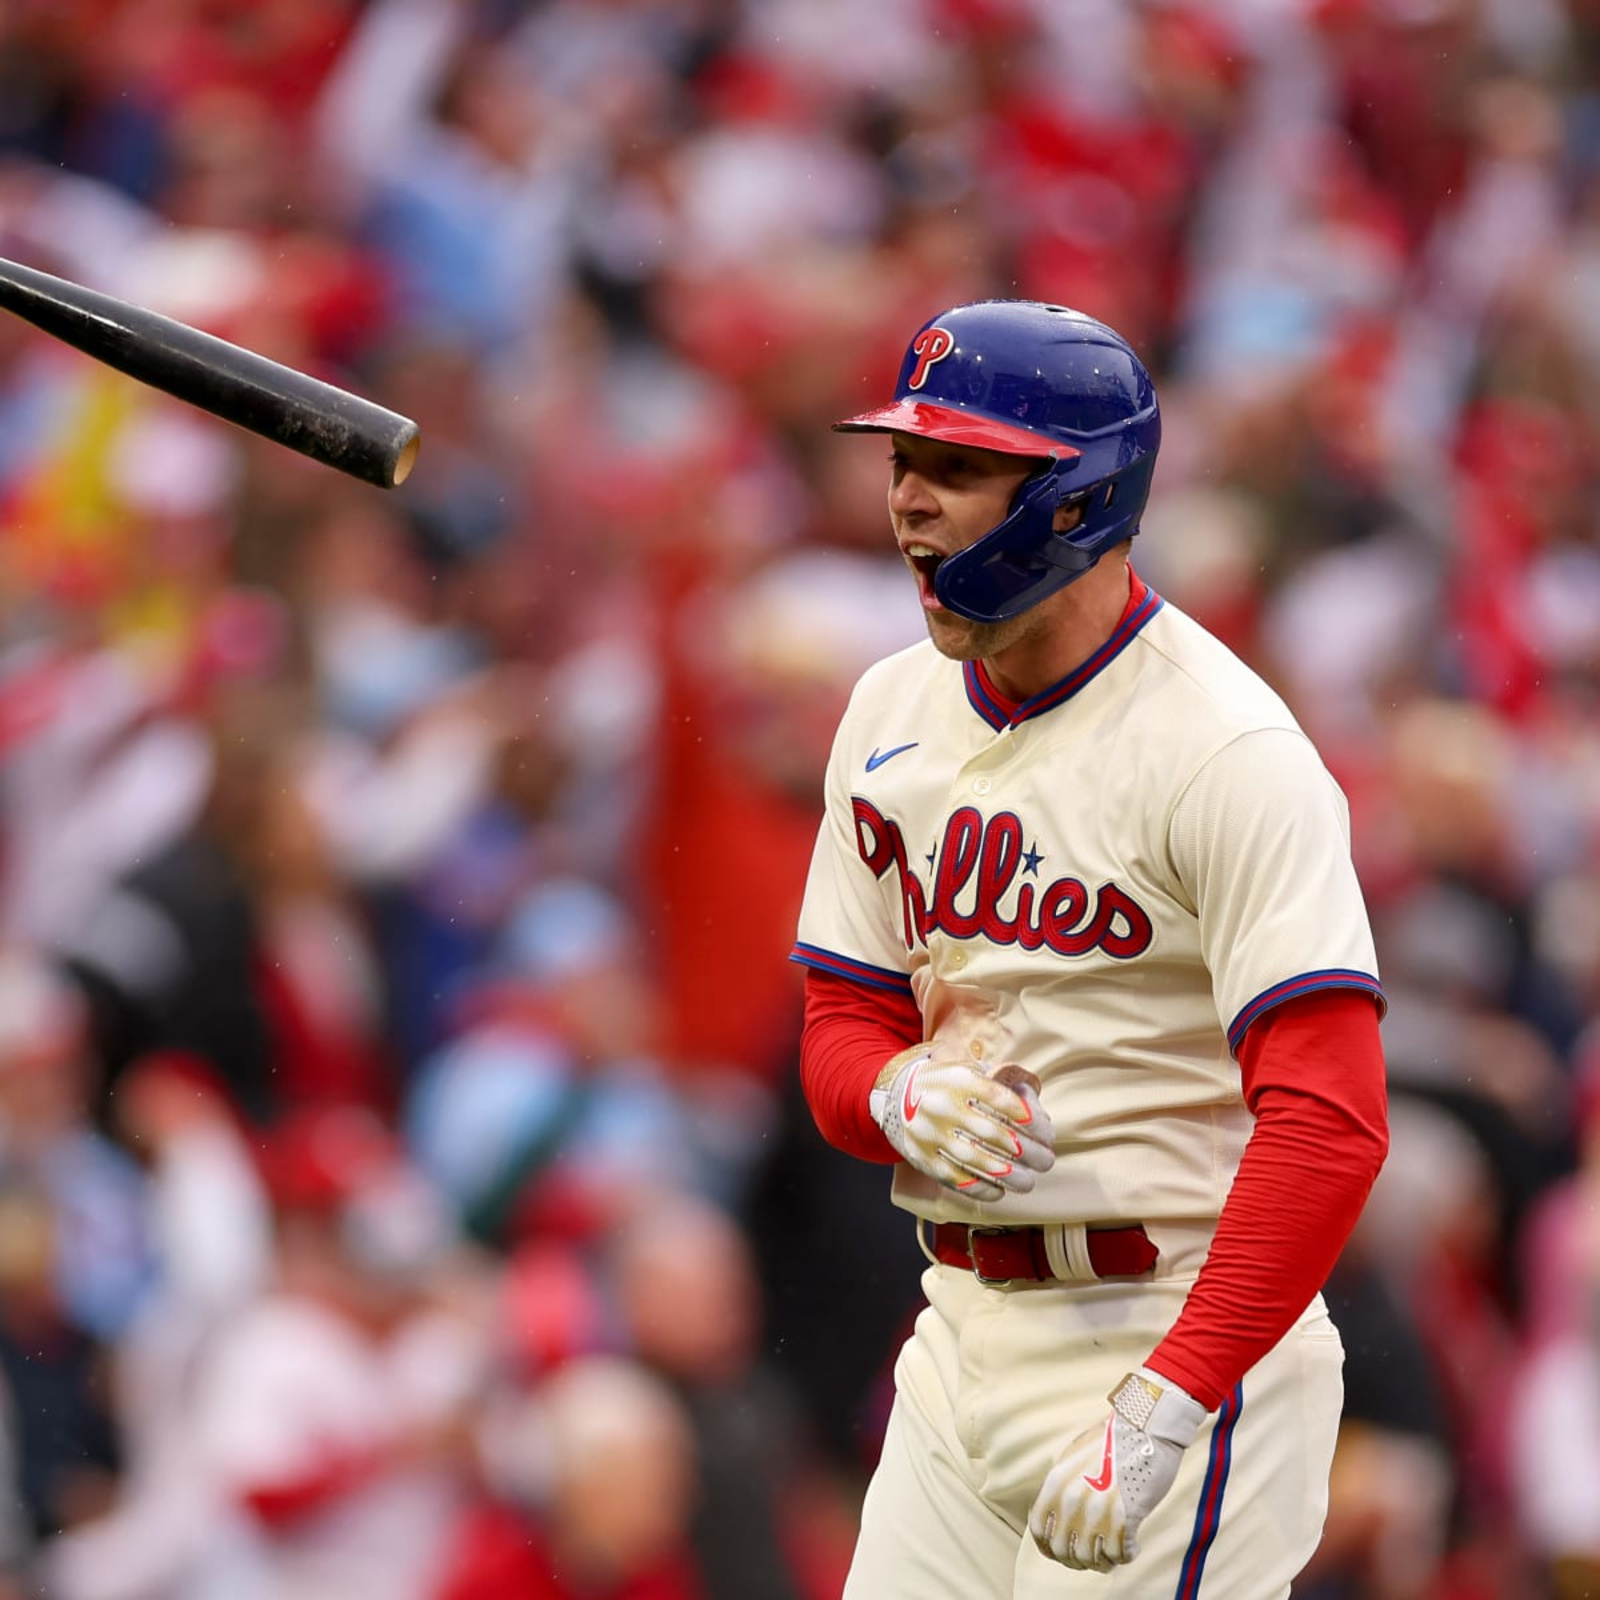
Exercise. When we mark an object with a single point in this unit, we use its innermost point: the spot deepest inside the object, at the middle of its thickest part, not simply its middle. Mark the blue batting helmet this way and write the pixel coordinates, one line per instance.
(1039, 380)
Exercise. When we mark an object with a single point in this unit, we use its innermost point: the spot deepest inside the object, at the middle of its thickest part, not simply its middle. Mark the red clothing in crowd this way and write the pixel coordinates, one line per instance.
(501, 1555)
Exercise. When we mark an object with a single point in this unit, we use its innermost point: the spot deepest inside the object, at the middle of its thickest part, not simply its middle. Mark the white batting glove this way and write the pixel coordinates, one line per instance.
(1108, 1480)
(979, 1135)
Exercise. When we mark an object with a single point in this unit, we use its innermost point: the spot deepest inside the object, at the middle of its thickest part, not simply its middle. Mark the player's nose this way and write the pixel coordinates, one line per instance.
(910, 494)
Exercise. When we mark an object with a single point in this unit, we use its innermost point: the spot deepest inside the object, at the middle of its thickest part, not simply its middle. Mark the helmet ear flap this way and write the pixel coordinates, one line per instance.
(1096, 500)
(1024, 558)
(1019, 560)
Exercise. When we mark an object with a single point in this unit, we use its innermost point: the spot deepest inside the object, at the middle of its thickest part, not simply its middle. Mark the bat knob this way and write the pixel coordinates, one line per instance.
(1015, 1077)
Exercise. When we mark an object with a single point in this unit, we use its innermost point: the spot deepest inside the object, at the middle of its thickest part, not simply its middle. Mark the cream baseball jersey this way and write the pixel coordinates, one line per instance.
(1106, 884)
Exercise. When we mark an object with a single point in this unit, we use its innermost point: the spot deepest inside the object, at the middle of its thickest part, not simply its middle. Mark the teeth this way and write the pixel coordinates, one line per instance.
(918, 551)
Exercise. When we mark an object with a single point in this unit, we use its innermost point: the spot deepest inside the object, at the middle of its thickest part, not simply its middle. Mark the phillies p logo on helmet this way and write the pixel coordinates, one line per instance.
(929, 346)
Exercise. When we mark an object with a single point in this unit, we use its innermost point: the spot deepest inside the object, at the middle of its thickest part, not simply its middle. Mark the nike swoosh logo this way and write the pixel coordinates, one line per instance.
(908, 1104)
(877, 759)
(1103, 1482)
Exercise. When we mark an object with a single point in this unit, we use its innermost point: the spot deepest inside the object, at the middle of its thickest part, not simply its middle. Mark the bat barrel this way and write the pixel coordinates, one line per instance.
(317, 419)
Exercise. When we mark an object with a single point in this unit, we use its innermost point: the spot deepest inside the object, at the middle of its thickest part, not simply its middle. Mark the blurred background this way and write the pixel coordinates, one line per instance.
(404, 1190)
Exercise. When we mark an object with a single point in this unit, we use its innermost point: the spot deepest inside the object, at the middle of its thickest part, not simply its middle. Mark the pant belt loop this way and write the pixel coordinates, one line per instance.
(1066, 1246)
(1055, 1249)
(922, 1241)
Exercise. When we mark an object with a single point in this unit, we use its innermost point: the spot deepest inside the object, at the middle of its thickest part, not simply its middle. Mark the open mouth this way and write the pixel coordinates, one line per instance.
(925, 563)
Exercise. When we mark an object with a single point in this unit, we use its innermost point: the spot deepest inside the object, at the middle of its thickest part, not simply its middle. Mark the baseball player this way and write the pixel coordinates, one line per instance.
(1087, 960)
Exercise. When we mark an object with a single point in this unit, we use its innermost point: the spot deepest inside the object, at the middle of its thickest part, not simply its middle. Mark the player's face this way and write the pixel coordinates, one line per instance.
(942, 498)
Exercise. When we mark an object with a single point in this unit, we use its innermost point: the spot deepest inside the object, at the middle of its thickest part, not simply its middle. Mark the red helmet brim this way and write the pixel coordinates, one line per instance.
(956, 427)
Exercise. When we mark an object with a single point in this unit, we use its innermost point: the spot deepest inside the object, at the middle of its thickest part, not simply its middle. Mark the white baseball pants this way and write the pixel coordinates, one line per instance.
(995, 1381)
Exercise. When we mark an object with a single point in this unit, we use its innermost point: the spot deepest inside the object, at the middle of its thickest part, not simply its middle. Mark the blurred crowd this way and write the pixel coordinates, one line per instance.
(404, 1190)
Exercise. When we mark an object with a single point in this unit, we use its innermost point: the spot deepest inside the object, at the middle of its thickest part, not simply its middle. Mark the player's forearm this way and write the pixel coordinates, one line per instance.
(850, 1031)
(1292, 1207)
(1315, 1082)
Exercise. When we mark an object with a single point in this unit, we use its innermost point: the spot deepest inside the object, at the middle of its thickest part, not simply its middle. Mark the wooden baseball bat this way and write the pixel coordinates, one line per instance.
(328, 424)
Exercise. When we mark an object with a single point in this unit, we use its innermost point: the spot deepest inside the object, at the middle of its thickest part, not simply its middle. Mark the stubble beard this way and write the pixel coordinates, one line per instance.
(961, 639)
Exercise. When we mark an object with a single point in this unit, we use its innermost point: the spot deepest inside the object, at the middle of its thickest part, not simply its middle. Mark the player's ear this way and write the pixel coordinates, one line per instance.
(1068, 515)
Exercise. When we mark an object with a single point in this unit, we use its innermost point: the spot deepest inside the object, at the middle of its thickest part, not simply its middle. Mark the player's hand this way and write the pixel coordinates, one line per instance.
(1107, 1481)
(979, 1135)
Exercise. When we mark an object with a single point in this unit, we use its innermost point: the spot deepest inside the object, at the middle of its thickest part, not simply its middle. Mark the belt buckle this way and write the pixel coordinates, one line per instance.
(972, 1255)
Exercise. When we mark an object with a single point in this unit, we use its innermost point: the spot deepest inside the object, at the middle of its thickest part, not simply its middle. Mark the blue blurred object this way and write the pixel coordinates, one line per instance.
(561, 928)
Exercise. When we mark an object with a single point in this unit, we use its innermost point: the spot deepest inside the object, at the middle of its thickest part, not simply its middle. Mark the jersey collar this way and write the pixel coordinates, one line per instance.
(999, 711)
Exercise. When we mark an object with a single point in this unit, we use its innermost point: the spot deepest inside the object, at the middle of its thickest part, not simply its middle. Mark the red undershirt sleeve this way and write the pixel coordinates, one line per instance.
(850, 1030)
(1314, 1077)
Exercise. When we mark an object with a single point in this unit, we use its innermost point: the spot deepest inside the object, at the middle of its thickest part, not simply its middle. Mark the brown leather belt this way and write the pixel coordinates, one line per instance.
(1007, 1255)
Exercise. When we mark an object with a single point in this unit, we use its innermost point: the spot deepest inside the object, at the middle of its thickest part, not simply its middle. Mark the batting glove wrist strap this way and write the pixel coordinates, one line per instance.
(978, 1135)
(1154, 1405)
(1108, 1480)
